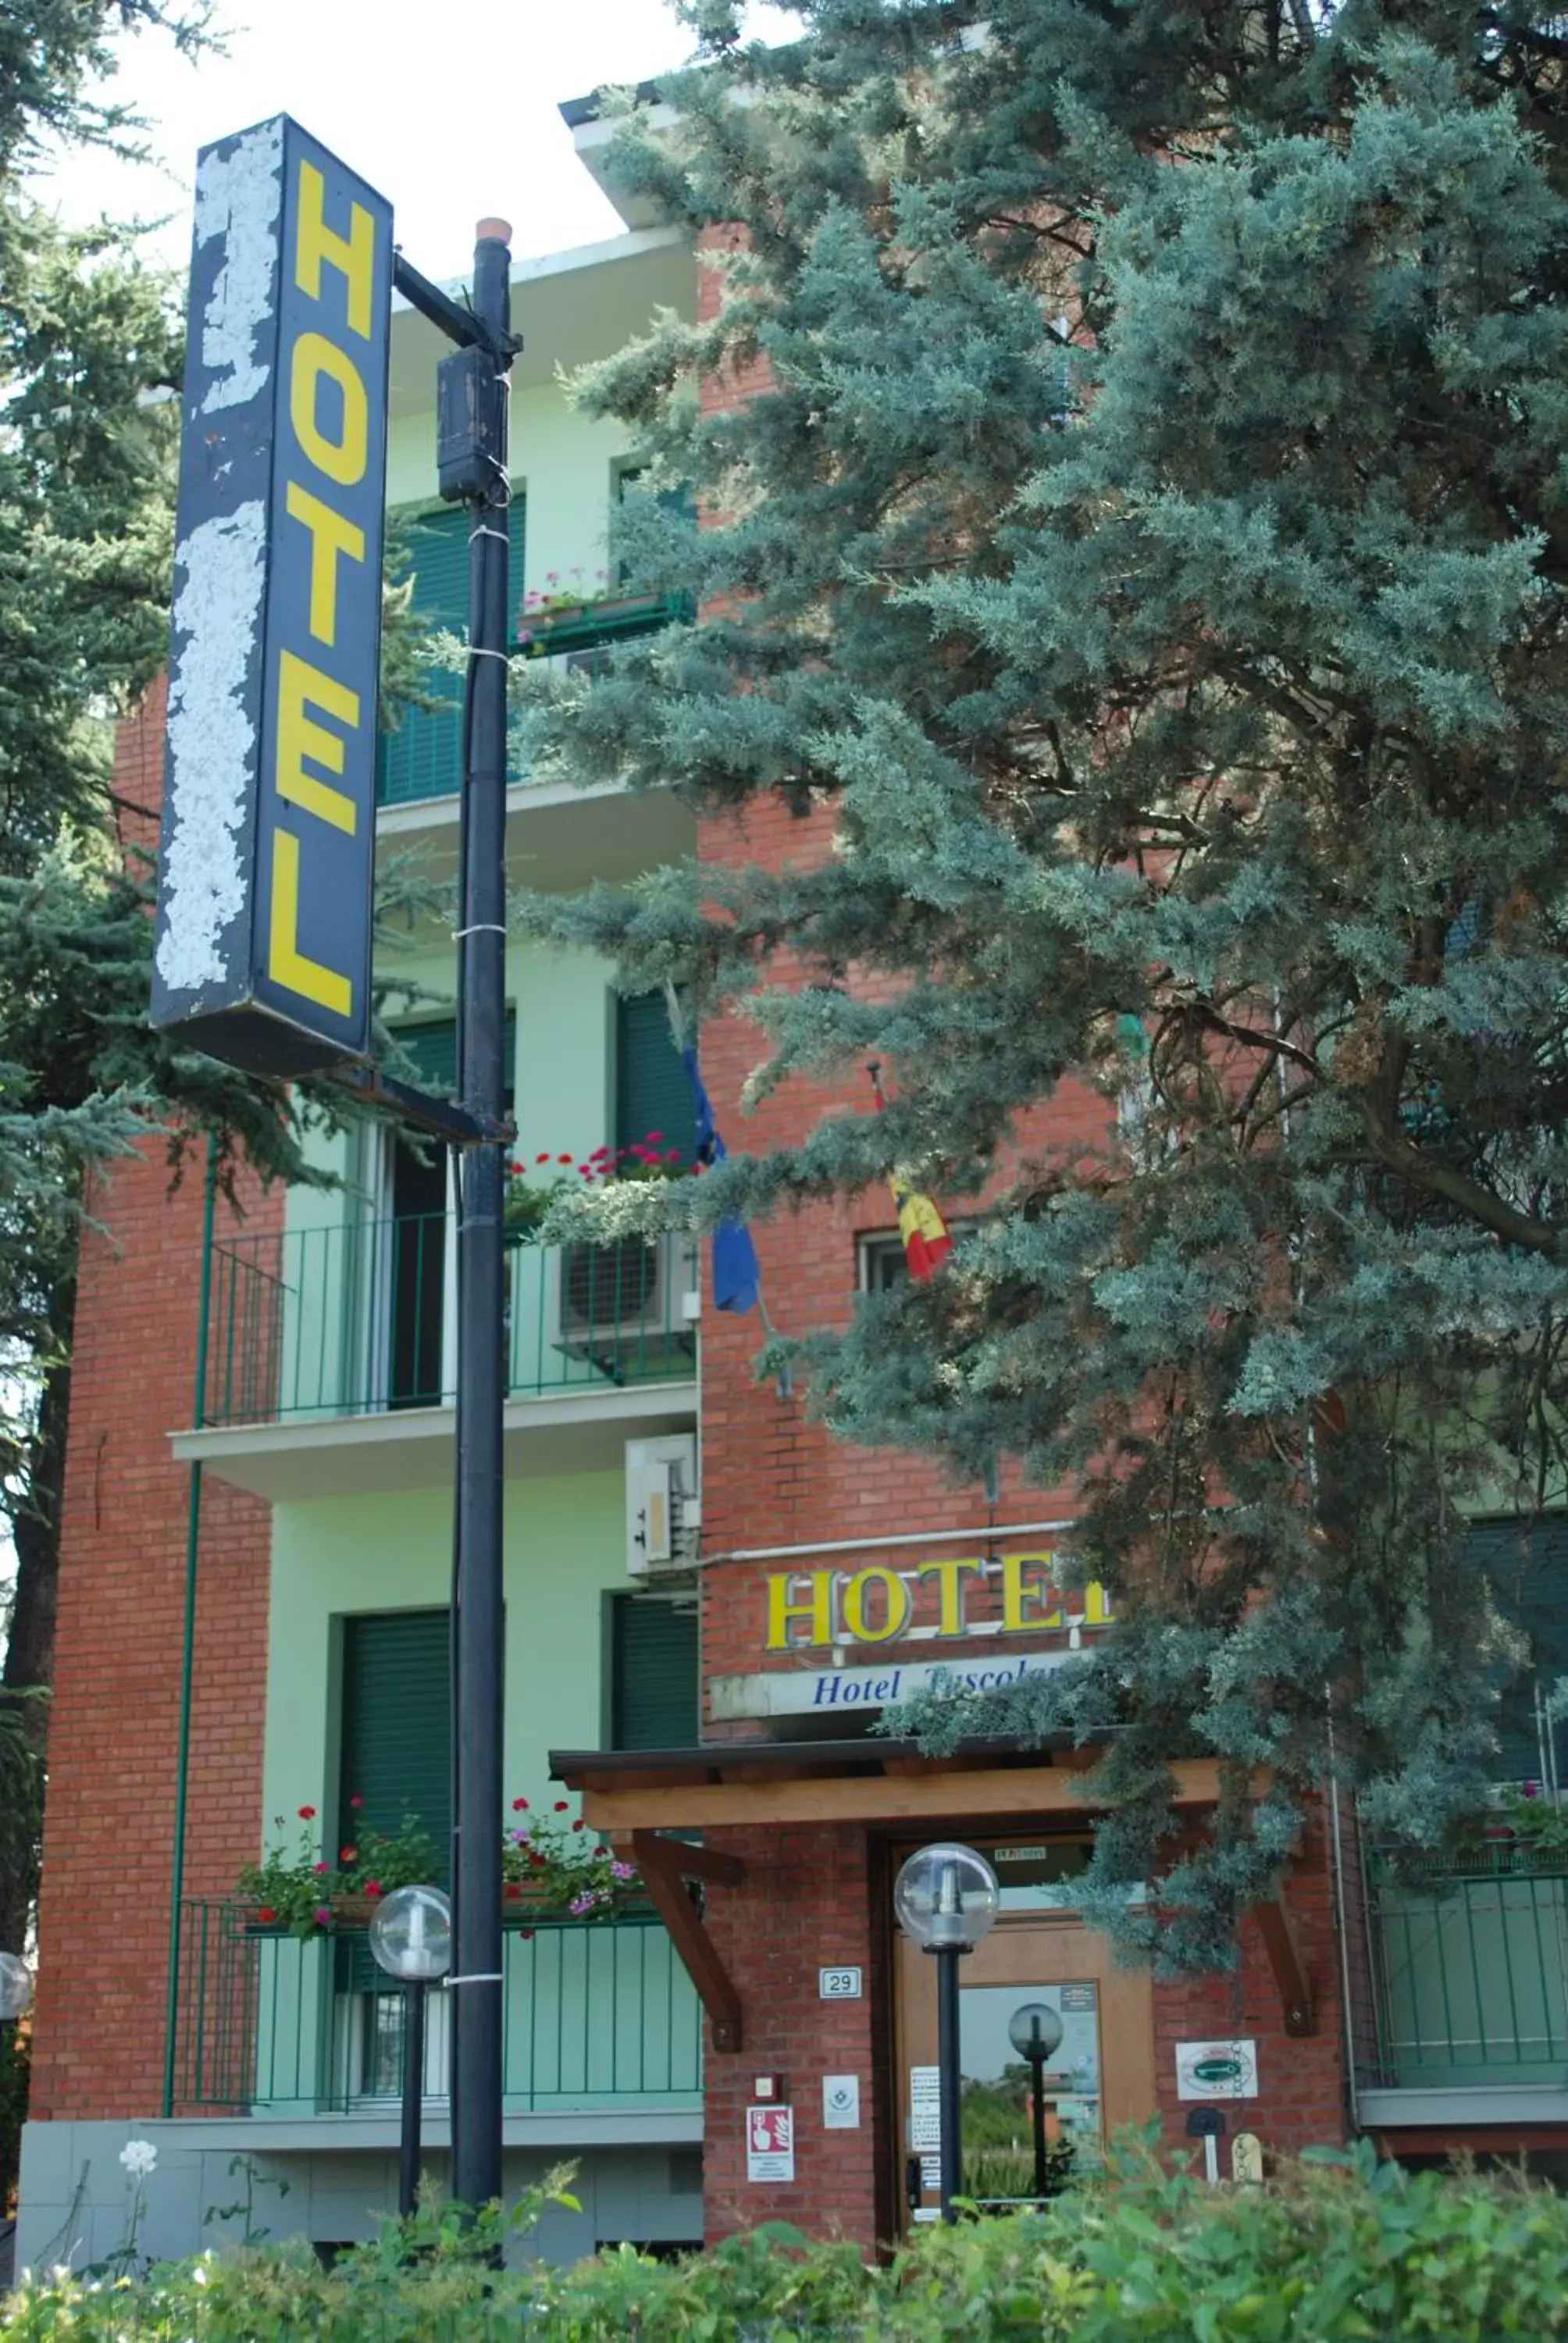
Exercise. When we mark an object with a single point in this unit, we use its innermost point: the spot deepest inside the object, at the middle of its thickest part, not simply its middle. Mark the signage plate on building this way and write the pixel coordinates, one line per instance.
(820, 1692)
(840, 2102)
(770, 2143)
(262, 953)
(1216, 2070)
(838, 1984)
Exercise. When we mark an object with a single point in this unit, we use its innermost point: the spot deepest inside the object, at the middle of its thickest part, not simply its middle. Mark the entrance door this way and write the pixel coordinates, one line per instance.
(1099, 2076)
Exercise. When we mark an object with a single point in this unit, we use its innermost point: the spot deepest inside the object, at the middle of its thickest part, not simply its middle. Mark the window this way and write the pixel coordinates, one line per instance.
(883, 1264)
(651, 1089)
(1526, 1565)
(424, 758)
(396, 1756)
(653, 1673)
(417, 1240)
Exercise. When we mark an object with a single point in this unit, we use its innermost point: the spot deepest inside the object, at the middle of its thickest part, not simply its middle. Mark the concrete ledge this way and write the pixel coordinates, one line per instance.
(1458, 2110)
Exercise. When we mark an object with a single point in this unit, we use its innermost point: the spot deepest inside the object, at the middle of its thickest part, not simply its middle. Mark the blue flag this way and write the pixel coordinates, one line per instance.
(736, 1275)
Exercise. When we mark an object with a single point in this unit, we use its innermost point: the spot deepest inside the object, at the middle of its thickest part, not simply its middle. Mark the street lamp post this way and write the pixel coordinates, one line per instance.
(1035, 2032)
(411, 1939)
(945, 1898)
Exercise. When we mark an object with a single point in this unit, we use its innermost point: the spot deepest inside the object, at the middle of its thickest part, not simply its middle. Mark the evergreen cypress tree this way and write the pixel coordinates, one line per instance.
(1152, 546)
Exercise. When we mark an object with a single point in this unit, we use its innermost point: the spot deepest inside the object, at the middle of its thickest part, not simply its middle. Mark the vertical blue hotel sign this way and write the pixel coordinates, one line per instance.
(263, 946)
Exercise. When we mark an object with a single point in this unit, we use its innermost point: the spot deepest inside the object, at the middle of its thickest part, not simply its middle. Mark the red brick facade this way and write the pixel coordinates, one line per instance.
(104, 1923)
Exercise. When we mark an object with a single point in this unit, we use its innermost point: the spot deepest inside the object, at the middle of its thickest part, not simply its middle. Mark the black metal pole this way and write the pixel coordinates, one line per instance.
(948, 2076)
(476, 1693)
(413, 2093)
(1037, 2072)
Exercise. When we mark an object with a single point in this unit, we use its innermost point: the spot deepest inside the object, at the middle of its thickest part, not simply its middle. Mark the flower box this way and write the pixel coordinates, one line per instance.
(570, 626)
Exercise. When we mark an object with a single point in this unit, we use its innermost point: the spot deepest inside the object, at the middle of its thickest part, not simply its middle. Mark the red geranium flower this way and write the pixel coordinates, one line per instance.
(580, 1824)
(373, 1887)
(520, 1805)
(348, 1855)
(525, 1934)
(266, 1912)
(536, 1858)
(308, 1814)
(543, 1156)
(560, 1805)
(563, 1159)
(512, 1887)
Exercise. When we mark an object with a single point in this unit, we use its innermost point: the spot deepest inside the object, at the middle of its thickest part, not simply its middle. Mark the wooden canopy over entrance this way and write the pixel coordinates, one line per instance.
(634, 1796)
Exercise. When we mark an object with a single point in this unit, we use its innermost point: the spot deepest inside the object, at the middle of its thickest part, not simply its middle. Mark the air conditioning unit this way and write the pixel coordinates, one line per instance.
(612, 1300)
(663, 1512)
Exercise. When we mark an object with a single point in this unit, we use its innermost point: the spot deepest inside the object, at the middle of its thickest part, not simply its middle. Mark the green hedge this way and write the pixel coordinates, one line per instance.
(1341, 2252)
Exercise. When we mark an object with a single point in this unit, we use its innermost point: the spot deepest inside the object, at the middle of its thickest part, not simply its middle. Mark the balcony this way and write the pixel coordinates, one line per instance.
(596, 2018)
(333, 1350)
(1470, 1986)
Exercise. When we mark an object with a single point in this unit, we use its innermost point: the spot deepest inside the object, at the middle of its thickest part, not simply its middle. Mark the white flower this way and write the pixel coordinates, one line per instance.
(140, 2158)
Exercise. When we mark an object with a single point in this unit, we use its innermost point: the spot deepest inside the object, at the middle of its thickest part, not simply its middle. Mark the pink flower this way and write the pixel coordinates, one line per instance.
(623, 1871)
(323, 1915)
(598, 1155)
(652, 1137)
(520, 1837)
(581, 1904)
(586, 1171)
(357, 1802)
(373, 1887)
(672, 1155)
(318, 1867)
(525, 634)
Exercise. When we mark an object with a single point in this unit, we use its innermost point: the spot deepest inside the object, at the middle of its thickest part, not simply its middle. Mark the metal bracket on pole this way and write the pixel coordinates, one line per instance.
(459, 325)
(441, 1117)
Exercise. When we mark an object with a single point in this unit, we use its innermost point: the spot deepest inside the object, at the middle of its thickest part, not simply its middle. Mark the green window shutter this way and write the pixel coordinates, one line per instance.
(651, 1090)
(424, 758)
(397, 1738)
(395, 1747)
(1526, 1568)
(433, 1046)
(653, 1673)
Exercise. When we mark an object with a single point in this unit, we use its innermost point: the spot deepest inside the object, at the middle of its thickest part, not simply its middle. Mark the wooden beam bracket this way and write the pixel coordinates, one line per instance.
(666, 1864)
(1278, 1930)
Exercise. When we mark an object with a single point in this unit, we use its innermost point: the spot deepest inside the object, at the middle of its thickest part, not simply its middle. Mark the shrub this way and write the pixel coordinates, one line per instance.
(1343, 2251)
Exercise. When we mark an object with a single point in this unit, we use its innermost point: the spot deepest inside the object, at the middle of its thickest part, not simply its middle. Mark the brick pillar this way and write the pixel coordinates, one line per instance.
(104, 1921)
(806, 1904)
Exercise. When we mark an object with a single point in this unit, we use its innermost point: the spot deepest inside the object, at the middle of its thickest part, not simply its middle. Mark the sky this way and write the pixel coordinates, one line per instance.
(395, 87)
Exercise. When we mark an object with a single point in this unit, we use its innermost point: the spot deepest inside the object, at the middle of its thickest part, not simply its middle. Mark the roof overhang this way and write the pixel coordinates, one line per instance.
(871, 1780)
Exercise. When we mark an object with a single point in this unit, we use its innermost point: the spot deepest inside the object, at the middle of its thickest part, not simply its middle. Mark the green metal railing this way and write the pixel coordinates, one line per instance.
(360, 1315)
(594, 2016)
(1471, 1970)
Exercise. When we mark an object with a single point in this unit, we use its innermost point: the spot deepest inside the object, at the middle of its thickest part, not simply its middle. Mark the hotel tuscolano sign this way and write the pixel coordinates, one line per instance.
(963, 1620)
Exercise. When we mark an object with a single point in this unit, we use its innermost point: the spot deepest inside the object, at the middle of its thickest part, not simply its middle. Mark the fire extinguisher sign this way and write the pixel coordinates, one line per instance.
(770, 2143)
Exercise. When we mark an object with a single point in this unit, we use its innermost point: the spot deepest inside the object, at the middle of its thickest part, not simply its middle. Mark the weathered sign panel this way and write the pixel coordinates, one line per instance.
(263, 948)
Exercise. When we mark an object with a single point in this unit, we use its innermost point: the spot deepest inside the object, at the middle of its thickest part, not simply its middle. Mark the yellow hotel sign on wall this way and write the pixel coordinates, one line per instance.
(879, 1604)
(951, 1605)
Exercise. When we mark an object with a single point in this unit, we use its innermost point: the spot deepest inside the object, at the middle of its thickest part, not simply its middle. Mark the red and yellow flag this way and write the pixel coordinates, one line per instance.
(926, 1243)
